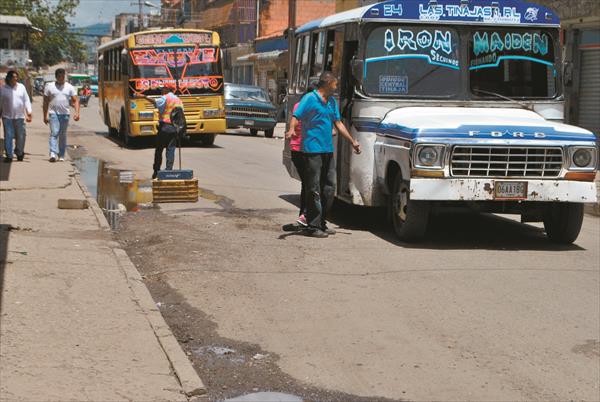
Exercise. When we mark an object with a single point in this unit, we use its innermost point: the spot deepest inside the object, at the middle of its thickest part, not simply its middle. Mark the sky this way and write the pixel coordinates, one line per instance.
(91, 12)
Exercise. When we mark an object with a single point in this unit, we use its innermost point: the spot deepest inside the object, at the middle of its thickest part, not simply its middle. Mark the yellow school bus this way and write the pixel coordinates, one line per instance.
(138, 64)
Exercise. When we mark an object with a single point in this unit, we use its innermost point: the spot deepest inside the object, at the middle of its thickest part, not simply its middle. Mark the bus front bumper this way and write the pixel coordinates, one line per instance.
(194, 127)
(485, 190)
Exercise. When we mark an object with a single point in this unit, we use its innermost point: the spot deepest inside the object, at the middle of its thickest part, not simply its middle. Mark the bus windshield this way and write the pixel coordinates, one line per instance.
(192, 70)
(413, 61)
(246, 93)
(513, 62)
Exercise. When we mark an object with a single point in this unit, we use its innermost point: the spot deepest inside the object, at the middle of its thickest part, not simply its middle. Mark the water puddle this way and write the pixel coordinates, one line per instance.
(117, 191)
(266, 397)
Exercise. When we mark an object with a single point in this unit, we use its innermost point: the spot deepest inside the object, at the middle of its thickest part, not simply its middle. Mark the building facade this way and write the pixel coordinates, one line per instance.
(14, 39)
(580, 23)
(270, 57)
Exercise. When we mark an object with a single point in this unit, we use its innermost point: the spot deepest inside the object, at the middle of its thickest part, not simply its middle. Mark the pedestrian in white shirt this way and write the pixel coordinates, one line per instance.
(57, 98)
(15, 108)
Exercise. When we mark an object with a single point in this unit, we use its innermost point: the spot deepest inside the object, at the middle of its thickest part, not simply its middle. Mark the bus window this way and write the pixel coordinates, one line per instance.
(299, 44)
(318, 54)
(337, 52)
(303, 70)
(124, 63)
(412, 61)
(106, 63)
(329, 49)
(112, 65)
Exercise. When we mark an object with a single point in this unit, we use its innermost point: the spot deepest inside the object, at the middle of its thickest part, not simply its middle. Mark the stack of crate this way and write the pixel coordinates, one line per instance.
(175, 186)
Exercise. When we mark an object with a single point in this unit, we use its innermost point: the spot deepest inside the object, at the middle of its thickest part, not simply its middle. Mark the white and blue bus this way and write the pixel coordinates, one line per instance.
(455, 102)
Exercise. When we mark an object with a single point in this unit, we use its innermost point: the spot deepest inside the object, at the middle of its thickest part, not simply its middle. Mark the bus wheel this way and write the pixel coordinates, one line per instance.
(124, 133)
(208, 139)
(408, 218)
(563, 221)
(253, 131)
(269, 133)
(112, 132)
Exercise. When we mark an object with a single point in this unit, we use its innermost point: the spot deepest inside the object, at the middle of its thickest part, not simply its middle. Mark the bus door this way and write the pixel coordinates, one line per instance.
(344, 148)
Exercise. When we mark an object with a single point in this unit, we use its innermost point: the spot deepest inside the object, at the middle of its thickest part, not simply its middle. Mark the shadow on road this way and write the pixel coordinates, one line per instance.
(4, 231)
(147, 142)
(4, 167)
(455, 230)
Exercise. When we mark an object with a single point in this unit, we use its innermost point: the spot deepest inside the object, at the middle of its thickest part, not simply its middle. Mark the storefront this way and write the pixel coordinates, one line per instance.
(270, 65)
(588, 102)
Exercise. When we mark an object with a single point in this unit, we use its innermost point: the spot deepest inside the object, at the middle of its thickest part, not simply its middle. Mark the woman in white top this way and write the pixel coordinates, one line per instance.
(15, 107)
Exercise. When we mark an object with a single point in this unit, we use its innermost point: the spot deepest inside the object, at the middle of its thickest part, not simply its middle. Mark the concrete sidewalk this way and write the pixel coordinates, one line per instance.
(76, 322)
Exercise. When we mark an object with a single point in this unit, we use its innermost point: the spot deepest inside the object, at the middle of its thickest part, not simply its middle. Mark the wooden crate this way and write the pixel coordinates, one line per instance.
(174, 190)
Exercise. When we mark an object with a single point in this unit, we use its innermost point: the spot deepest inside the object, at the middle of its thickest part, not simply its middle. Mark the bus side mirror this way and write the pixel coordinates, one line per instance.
(357, 66)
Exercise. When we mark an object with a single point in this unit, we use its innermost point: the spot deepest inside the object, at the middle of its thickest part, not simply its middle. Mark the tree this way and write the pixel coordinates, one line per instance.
(55, 43)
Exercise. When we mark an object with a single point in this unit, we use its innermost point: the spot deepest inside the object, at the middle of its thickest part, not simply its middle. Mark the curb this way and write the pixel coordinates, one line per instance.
(190, 382)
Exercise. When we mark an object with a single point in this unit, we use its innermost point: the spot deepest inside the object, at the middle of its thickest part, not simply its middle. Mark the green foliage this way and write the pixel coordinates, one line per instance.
(55, 43)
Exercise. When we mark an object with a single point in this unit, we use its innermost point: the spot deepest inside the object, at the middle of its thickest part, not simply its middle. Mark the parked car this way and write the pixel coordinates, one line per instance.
(249, 106)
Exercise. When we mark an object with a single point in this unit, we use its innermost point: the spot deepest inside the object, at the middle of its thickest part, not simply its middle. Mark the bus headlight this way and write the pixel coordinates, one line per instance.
(429, 156)
(583, 158)
(212, 113)
(146, 115)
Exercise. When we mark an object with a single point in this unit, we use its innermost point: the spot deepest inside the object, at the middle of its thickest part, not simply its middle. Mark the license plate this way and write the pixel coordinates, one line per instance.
(249, 122)
(510, 190)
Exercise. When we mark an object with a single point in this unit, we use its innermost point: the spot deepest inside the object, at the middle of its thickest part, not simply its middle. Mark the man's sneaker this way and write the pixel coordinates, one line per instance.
(318, 233)
(61, 159)
(328, 230)
(20, 157)
(7, 159)
(52, 157)
(302, 221)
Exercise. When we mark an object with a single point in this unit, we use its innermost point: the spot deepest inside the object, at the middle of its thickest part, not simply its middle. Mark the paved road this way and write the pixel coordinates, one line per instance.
(487, 309)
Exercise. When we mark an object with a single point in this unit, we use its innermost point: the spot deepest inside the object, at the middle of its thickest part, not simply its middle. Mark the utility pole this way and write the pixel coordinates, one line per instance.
(292, 14)
(258, 18)
(140, 3)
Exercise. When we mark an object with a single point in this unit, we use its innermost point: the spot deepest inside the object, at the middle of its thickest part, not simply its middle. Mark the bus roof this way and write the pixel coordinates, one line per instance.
(481, 12)
(125, 38)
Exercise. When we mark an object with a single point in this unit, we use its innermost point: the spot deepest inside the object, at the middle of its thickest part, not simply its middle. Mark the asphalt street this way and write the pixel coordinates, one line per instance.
(486, 309)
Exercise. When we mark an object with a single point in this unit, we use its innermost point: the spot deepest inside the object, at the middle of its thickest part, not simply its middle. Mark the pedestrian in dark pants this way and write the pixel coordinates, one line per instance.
(167, 133)
(319, 113)
(298, 161)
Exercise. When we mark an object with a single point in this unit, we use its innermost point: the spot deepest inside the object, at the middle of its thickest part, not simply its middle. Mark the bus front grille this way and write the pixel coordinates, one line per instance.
(500, 161)
(244, 111)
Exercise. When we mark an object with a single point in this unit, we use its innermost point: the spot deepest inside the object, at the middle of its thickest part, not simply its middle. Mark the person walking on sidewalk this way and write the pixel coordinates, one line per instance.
(167, 132)
(57, 97)
(15, 108)
(319, 113)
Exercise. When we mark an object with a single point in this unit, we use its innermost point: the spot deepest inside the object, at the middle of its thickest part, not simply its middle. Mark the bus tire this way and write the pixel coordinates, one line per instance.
(124, 133)
(208, 139)
(112, 132)
(562, 221)
(253, 132)
(408, 218)
(269, 133)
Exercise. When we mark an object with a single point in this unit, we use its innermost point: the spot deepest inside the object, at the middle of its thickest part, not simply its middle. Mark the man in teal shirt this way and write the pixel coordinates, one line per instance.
(319, 113)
